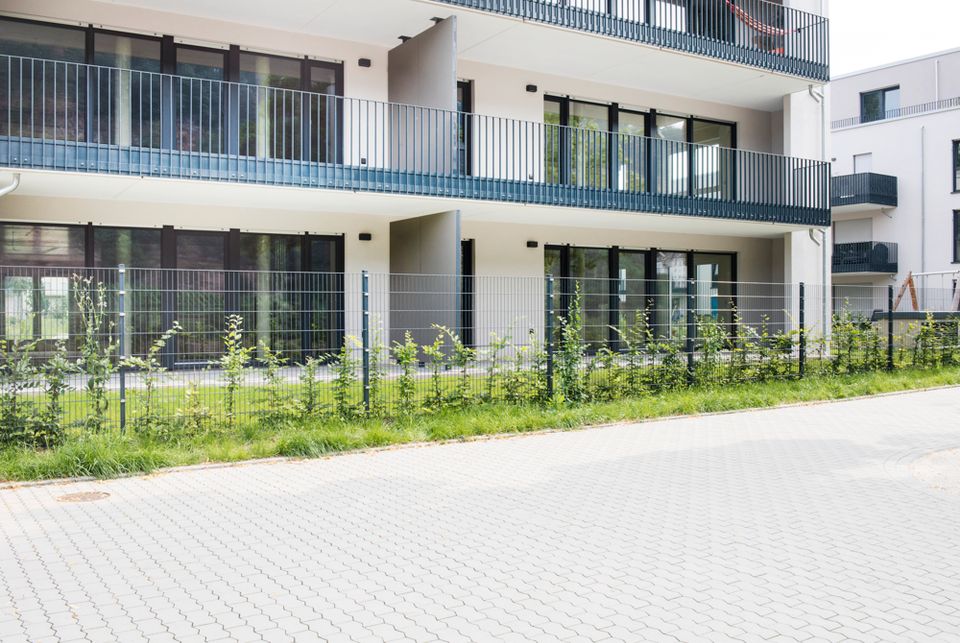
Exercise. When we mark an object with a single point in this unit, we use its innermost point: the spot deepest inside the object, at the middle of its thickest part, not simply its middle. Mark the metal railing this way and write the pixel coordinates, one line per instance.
(167, 351)
(751, 32)
(865, 256)
(910, 110)
(866, 187)
(66, 116)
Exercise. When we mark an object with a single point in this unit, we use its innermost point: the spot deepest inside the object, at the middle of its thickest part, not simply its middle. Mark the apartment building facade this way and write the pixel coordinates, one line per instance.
(636, 139)
(896, 166)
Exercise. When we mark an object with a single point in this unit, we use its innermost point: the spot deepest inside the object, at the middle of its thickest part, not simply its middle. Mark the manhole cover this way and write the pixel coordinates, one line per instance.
(85, 496)
(939, 470)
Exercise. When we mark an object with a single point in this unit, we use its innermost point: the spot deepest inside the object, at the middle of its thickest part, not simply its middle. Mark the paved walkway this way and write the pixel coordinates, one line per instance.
(799, 523)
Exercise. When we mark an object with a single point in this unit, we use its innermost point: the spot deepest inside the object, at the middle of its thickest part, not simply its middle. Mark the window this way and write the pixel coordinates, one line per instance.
(133, 247)
(576, 141)
(199, 102)
(49, 68)
(631, 151)
(125, 105)
(713, 159)
(464, 134)
(956, 236)
(956, 166)
(272, 114)
(879, 104)
(36, 305)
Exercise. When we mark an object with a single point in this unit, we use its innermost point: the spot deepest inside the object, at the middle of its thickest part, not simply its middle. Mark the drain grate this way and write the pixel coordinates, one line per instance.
(84, 496)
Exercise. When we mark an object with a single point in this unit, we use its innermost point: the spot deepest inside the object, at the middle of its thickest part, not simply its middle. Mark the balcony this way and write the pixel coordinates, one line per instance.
(861, 192)
(80, 118)
(865, 257)
(757, 33)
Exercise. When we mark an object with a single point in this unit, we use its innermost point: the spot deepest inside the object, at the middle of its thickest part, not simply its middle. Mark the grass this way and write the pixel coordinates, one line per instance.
(112, 455)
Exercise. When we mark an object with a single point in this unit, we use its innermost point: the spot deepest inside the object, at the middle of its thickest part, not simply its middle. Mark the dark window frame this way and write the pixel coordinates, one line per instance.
(882, 92)
(465, 122)
(565, 290)
(956, 166)
(956, 236)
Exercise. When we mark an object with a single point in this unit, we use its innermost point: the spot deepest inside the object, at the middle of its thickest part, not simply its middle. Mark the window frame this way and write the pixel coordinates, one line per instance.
(882, 91)
(564, 289)
(956, 236)
(955, 153)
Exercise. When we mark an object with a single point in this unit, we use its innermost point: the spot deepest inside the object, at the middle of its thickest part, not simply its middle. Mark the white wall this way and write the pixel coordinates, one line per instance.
(917, 80)
(917, 151)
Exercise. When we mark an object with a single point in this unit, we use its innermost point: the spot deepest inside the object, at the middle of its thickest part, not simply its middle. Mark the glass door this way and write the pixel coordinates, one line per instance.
(713, 159)
(671, 295)
(201, 305)
(670, 155)
(324, 128)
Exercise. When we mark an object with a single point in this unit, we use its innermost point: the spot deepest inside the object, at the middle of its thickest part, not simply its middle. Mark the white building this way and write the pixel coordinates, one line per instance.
(896, 186)
(665, 139)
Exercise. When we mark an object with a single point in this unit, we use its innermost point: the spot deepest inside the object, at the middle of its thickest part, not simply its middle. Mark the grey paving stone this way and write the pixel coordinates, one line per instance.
(793, 524)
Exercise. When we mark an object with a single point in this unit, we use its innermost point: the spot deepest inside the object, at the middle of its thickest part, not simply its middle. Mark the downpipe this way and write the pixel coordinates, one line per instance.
(819, 97)
(7, 189)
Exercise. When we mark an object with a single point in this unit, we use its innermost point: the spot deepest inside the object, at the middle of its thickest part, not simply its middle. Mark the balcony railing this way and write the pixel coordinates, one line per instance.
(910, 110)
(65, 116)
(750, 32)
(865, 188)
(867, 256)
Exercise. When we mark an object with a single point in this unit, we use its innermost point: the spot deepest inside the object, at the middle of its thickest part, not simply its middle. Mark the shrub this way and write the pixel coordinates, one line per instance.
(497, 345)
(56, 373)
(310, 401)
(345, 379)
(152, 371)
(406, 355)
(97, 347)
(233, 363)
(435, 353)
(378, 356)
(461, 357)
(569, 357)
(17, 375)
(272, 361)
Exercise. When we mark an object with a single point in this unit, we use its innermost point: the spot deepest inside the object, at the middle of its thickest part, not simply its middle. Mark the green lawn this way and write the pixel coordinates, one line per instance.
(110, 455)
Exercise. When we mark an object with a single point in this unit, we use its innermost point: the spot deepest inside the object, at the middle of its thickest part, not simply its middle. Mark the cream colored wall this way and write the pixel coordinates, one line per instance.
(500, 249)
(501, 91)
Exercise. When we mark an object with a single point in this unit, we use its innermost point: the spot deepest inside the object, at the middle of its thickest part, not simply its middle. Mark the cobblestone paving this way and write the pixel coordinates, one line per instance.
(790, 524)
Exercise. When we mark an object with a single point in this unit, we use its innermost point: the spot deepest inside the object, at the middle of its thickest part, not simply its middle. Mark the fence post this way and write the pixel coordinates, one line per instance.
(122, 350)
(803, 330)
(549, 335)
(365, 338)
(890, 328)
(691, 327)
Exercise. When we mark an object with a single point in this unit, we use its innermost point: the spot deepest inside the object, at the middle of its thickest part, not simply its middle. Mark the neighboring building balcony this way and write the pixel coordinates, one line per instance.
(80, 118)
(865, 257)
(864, 191)
(757, 33)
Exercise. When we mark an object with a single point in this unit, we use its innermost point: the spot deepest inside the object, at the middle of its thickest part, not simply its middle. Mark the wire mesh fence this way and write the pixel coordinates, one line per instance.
(160, 351)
